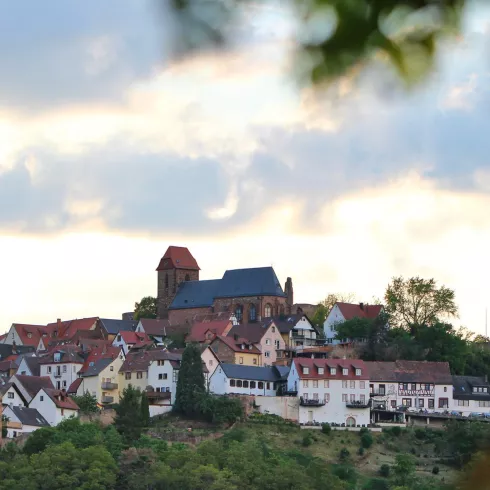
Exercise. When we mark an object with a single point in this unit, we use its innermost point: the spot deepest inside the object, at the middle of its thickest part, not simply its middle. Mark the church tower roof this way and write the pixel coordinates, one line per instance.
(177, 258)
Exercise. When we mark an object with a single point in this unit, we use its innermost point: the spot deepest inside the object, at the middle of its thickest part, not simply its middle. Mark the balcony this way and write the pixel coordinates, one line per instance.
(377, 393)
(358, 404)
(311, 402)
(109, 385)
(107, 399)
(159, 395)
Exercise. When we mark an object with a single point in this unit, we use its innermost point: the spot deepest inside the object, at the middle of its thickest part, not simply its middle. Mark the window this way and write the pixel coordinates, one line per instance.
(232, 382)
(252, 313)
(352, 385)
(445, 389)
(464, 403)
(363, 399)
(407, 402)
(358, 372)
(49, 369)
(443, 403)
(268, 310)
(344, 397)
(255, 360)
(64, 384)
(261, 385)
(305, 383)
(326, 384)
(64, 368)
(139, 375)
(239, 312)
(57, 357)
(382, 389)
(327, 397)
(345, 371)
(393, 403)
(321, 370)
(11, 395)
(333, 371)
(306, 370)
(352, 397)
(362, 385)
(210, 362)
(427, 387)
(276, 343)
(413, 387)
(14, 433)
(268, 386)
(163, 376)
(245, 384)
(430, 403)
(267, 353)
(483, 403)
(253, 385)
(344, 384)
(305, 396)
(315, 396)
(127, 376)
(267, 341)
(421, 403)
(29, 335)
(405, 386)
(315, 383)
(240, 360)
(273, 329)
(111, 368)
(239, 383)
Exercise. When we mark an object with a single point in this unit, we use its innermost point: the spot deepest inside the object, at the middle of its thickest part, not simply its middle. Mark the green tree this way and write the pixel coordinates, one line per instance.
(113, 441)
(324, 307)
(145, 410)
(416, 301)
(39, 440)
(146, 308)
(5, 419)
(128, 419)
(190, 385)
(404, 468)
(87, 403)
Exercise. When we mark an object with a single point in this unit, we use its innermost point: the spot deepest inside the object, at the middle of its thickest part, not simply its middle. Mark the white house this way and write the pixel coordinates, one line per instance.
(23, 389)
(410, 386)
(471, 394)
(331, 390)
(210, 360)
(342, 312)
(127, 340)
(245, 380)
(62, 365)
(29, 366)
(12, 396)
(54, 405)
(23, 420)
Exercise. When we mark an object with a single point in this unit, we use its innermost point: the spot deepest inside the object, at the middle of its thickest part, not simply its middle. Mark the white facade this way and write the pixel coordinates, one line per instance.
(62, 374)
(12, 398)
(13, 432)
(413, 396)
(12, 336)
(334, 396)
(163, 378)
(210, 360)
(24, 368)
(303, 334)
(220, 384)
(270, 343)
(334, 318)
(465, 407)
(120, 342)
(48, 409)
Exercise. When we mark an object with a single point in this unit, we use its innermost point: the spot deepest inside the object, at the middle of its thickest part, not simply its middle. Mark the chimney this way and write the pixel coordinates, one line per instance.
(361, 305)
(58, 321)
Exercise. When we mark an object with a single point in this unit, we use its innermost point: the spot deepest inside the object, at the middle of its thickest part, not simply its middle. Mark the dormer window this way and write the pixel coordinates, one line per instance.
(345, 371)
(242, 346)
(92, 363)
(29, 335)
(57, 357)
(306, 370)
(333, 371)
(358, 372)
(321, 370)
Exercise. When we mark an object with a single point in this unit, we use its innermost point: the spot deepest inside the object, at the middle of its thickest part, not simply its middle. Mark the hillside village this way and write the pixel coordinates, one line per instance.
(255, 342)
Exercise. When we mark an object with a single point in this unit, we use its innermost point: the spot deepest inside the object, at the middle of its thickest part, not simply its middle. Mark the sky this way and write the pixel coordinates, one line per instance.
(111, 149)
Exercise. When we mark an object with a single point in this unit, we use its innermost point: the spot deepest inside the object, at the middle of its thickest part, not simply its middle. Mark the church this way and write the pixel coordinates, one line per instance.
(250, 294)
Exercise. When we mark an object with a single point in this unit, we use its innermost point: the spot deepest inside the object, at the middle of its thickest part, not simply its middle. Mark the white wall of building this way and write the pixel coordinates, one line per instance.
(269, 344)
(12, 398)
(209, 360)
(24, 368)
(220, 384)
(163, 377)
(12, 337)
(48, 409)
(62, 374)
(286, 407)
(334, 317)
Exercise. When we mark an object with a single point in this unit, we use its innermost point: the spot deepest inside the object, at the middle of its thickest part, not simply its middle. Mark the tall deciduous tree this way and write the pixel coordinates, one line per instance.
(190, 385)
(328, 303)
(416, 301)
(146, 308)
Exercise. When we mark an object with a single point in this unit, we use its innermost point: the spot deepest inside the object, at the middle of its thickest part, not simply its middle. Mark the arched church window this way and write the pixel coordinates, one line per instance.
(252, 313)
(239, 312)
(268, 310)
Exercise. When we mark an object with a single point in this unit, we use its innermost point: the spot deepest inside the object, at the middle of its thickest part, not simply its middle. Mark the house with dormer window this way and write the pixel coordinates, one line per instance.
(236, 350)
(471, 394)
(331, 390)
(62, 365)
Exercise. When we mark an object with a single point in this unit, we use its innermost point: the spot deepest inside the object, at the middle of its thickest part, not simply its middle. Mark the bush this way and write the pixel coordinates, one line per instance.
(235, 434)
(221, 409)
(385, 470)
(326, 429)
(307, 440)
(367, 440)
(364, 430)
(396, 431)
(344, 454)
(345, 472)
(361, 451)
(435, 470)
(376, 484)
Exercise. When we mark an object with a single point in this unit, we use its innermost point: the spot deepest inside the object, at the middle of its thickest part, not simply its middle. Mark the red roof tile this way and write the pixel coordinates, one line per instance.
(410, 372)
(29, 334)
(134, 337)
(236, 345)
(74, 386)
(98, 353)
(178, 258)
(198, 330)
(69, 328)
(350, 311)
(326, 364)
(61, 399)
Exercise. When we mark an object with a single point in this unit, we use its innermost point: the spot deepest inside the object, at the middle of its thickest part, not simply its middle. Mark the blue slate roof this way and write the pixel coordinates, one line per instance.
(254, 373)
(195, 294)
(113, 327)
(259, 281)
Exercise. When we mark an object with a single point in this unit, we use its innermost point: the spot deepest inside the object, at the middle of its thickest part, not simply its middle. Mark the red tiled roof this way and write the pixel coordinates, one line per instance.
(32, 384)
(198, 330)
(326, 364)
(235, 345)
(140, 360)
(350, 311)
(74, 386)
(251, 331)
(98, 353)
(29, 334)
(410, 372)
(61, 400)
(178, 258)
(7, 365)
(69, 328)
(133, 337)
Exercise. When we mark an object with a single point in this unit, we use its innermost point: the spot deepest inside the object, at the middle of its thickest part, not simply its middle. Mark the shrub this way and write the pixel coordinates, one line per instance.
(326, 429)
(364, 430)
(376, 484)
(435, 470)
(235, 434)
(345, 472)
(221, 409)
(385, 470)
(361, 451)
(367, 440)
(307, 440)
(396, 431)
(344, 454)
